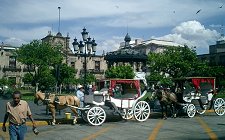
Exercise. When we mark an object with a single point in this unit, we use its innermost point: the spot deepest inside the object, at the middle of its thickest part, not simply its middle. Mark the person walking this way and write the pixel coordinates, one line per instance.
(17, 112)
(80, 95)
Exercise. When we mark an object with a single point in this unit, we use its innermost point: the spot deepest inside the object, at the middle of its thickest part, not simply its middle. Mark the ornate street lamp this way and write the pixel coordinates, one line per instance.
(85, 48)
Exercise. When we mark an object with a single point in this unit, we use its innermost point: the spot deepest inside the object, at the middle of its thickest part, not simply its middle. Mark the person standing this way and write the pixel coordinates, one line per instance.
(17, 112)
(90, 90)
(80, 95)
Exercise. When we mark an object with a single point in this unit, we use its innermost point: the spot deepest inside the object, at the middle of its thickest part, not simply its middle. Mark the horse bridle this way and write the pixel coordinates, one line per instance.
(46, 100)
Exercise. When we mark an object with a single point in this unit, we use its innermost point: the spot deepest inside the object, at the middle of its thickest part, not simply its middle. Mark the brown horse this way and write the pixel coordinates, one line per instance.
(166, 98)
(58, 102)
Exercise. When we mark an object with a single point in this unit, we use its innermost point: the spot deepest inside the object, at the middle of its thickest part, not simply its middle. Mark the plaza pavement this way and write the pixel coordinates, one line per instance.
(41, 118)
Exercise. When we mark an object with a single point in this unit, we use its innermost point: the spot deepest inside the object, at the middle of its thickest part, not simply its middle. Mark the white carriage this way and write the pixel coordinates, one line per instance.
(198, 94)
(130, 102)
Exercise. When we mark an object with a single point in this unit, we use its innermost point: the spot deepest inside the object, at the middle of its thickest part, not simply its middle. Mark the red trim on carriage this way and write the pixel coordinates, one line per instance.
(135, 82)
(197, 81)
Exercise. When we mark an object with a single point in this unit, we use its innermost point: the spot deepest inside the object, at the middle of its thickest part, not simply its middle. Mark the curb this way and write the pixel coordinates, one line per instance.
(210, 111)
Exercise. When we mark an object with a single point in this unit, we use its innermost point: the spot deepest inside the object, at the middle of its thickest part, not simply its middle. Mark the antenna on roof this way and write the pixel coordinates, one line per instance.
(127, 27)
(221, 28)
(52, 28)
(59, 19)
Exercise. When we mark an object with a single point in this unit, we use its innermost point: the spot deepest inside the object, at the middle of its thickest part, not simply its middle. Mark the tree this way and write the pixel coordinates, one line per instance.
(40, 57)
(89, 78)
(4, 82)
(123, 72)
(175, 62)
(64, 75)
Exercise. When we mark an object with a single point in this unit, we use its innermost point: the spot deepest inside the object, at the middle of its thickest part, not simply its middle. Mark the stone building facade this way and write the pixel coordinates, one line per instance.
(216, 54)
(10, 68)
(95, 63)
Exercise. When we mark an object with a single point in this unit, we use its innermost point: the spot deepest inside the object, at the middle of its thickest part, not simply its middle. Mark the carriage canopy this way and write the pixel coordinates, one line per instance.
(196, 82)
(131, 82)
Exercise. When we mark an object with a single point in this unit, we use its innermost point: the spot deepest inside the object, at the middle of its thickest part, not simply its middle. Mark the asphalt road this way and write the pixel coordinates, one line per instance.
(201, 127)
(208, 126)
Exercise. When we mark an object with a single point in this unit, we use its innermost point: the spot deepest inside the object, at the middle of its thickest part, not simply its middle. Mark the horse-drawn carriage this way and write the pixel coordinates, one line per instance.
(198, 94)
(128, 102)
(124, 96)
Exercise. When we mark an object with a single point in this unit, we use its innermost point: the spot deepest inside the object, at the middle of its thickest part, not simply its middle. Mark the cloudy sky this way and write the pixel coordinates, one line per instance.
(193, 22)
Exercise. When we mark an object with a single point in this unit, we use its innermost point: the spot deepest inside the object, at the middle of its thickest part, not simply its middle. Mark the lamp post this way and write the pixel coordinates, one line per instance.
(85, 48)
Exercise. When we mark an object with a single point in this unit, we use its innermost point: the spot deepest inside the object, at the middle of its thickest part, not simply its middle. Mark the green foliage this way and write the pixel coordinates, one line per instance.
(4, 81)
(174, 62)
(123, 72)
(39, 54)
(64, 74)
(46, 80)
(42, 57)
(27, 78)
(89, 79)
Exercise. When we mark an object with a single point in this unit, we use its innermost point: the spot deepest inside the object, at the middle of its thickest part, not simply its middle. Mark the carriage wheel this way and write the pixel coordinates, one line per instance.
(141, 111)
(200, 110)
(191, 110)
(96, 116)
(219, 106)
(127, 114)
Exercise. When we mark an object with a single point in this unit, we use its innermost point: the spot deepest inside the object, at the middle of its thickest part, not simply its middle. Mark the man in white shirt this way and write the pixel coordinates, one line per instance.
(80, 95)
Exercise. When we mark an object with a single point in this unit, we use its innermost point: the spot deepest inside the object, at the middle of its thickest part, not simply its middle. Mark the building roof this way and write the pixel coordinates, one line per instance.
(160, 42)
(8, 47)
(125, 55)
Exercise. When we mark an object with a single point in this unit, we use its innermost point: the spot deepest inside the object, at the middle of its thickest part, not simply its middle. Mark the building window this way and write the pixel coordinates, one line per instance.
(12, 62)
(97, 65)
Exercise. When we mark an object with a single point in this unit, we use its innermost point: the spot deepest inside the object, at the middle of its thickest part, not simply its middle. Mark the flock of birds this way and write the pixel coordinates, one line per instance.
(201, 9)
(174, 11)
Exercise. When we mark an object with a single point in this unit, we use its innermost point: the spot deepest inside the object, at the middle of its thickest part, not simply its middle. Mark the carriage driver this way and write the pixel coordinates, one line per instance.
(80, 95)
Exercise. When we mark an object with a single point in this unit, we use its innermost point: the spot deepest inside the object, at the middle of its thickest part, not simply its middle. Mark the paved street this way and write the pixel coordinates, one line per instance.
(201, 127)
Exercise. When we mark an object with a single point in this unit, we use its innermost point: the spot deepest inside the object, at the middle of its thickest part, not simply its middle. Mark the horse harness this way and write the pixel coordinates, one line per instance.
(56, 102)
(165, 95)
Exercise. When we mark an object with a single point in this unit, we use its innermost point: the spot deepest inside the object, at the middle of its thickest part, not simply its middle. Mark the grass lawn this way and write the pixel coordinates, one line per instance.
(27, 95)
(220, 95)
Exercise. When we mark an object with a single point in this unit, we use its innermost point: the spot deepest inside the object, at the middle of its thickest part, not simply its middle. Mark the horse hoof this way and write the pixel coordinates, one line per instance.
(74, 122)
(53, 124)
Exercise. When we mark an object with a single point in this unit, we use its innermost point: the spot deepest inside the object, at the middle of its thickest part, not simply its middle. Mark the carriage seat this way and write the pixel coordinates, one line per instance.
(97, 97)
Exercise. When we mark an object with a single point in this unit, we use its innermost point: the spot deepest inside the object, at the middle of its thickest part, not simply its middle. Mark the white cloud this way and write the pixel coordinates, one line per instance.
(111, 16)
(193, 33)
(109, 45)
(15, 41)
(23, 35)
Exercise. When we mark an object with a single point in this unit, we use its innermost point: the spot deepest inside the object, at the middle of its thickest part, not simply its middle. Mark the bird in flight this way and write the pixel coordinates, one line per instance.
(198, 11)
(221, 6)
